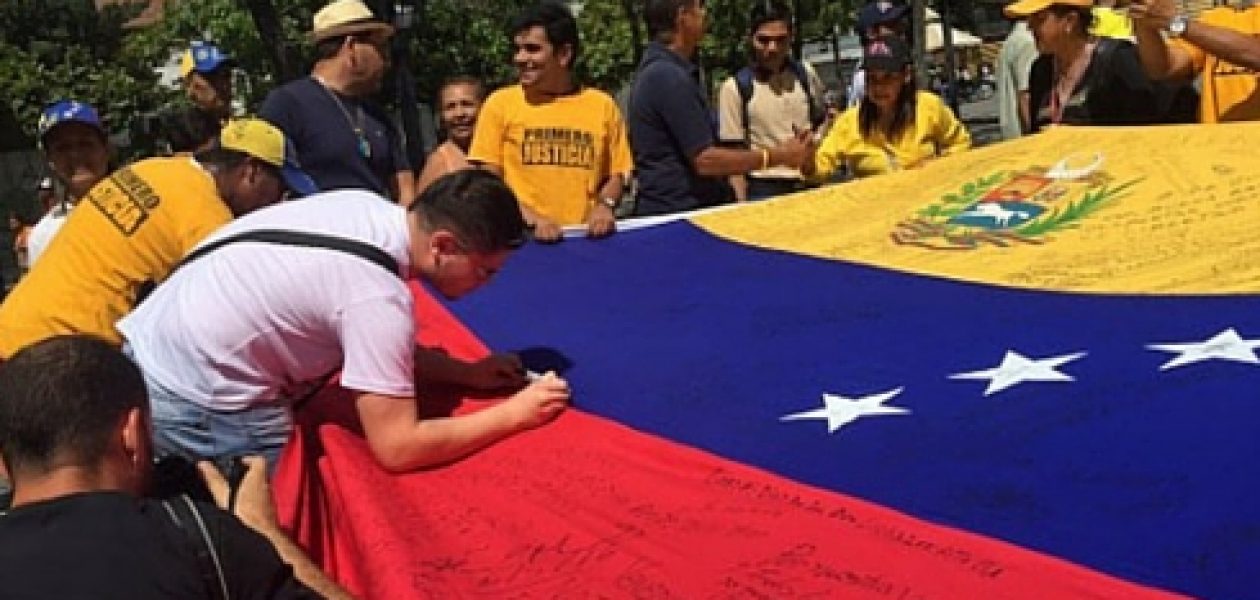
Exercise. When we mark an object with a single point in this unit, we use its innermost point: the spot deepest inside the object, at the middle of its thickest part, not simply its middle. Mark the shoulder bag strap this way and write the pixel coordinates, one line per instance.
(187, 518)
(303, 239)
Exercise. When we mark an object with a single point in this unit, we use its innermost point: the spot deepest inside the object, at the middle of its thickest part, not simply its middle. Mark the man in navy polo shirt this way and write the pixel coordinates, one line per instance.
(673, 136)
(344, 140)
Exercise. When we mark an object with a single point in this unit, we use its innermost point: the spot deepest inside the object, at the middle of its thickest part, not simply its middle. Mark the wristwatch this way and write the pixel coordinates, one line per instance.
(611, 203)
(1177, 26)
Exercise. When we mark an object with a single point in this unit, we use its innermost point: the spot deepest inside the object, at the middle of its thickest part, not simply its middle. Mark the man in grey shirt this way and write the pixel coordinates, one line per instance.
(1014, 63)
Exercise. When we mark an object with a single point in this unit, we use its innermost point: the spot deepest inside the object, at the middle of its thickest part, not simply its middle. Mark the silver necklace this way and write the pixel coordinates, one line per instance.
(365, 149)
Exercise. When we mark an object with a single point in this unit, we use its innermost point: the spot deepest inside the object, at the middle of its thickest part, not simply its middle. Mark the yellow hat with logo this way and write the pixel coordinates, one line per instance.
(1024, 8)
(267, 143)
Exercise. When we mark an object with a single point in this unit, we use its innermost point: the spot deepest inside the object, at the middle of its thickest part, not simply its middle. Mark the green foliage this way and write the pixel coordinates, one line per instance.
(55, 50)
(463, 37)
(609, 51)
(229, 24)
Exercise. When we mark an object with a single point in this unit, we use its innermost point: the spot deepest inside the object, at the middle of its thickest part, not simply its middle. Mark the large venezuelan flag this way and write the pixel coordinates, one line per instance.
(1025, 372)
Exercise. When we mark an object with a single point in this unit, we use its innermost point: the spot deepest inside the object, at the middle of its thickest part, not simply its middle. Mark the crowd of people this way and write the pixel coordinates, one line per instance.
(180, 307)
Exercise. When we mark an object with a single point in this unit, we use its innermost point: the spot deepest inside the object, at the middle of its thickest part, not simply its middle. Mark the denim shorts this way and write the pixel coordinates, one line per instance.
(196, 433)
(186, 429)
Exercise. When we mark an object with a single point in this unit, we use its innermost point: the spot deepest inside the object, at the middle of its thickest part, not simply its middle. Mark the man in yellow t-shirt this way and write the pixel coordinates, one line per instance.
(131, 230)
(1222, 45)
(562, 148)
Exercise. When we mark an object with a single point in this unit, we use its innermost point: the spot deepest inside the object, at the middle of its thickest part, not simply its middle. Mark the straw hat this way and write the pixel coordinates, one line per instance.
(344, 17)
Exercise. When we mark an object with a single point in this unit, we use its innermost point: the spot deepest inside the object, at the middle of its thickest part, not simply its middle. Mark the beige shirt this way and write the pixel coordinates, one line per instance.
(776, 107)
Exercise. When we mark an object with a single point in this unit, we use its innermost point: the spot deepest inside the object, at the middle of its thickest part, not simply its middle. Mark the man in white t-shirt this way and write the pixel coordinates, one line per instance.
(266, 308)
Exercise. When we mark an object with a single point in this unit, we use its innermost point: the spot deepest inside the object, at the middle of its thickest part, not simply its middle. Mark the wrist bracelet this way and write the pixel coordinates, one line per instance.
(765, 158)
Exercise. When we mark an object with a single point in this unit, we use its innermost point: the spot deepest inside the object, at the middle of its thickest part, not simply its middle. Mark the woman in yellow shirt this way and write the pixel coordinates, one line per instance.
(894, 127)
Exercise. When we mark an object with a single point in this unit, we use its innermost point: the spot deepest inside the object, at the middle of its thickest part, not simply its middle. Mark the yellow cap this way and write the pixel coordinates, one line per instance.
(1023, 8)
(264, 141)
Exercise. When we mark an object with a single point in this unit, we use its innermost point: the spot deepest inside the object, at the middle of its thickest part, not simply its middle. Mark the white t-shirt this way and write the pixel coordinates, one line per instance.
(252, 322)
(44, 231)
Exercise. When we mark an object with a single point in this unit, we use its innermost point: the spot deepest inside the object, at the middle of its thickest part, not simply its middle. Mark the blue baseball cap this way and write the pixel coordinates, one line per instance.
(69, 111)
(203, 57)
(879, 12)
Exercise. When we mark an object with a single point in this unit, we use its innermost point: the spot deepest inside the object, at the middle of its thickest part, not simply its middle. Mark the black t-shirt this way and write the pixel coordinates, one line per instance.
(1113, 91)
(322, 124)
(106, 545)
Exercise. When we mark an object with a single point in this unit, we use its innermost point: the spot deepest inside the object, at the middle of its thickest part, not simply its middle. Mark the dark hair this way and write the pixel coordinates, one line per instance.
(462, 80)
(769, 11)
(62, 399)
(1084, 16)
(660, 16)
(868, 112)
(556, 20)
(188, 129)
(475, 205)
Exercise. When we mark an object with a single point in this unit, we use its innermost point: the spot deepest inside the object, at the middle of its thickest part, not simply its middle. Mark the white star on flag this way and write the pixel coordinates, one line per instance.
(1017, 368)
(1226, 345)
(840, 411)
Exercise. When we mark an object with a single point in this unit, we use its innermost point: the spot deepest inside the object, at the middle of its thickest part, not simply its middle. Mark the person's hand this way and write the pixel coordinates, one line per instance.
(540, 402)
(546, 231)
(253, 504)
(602, 222)
(495, 372)
(796, 151)
(1152, 14)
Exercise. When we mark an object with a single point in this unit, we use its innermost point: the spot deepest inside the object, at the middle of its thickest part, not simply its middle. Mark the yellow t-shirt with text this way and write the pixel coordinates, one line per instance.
(555, 155)
(934, 132)
(1230, 92)
(131, 229)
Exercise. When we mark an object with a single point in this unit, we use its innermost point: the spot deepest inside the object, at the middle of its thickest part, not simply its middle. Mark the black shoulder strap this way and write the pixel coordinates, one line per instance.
(744, 83)
(816, 114)
(303, 239)
(187, 518)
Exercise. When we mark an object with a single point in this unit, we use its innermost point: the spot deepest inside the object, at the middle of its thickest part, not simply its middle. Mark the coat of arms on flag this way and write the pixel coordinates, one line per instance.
(1010, 207)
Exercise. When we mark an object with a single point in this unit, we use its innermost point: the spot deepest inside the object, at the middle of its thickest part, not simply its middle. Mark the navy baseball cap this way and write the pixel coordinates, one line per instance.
(880, 12)
(889, 53)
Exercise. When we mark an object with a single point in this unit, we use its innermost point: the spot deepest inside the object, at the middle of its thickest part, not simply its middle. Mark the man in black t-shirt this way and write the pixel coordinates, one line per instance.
(344, 140)
(75, 436)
